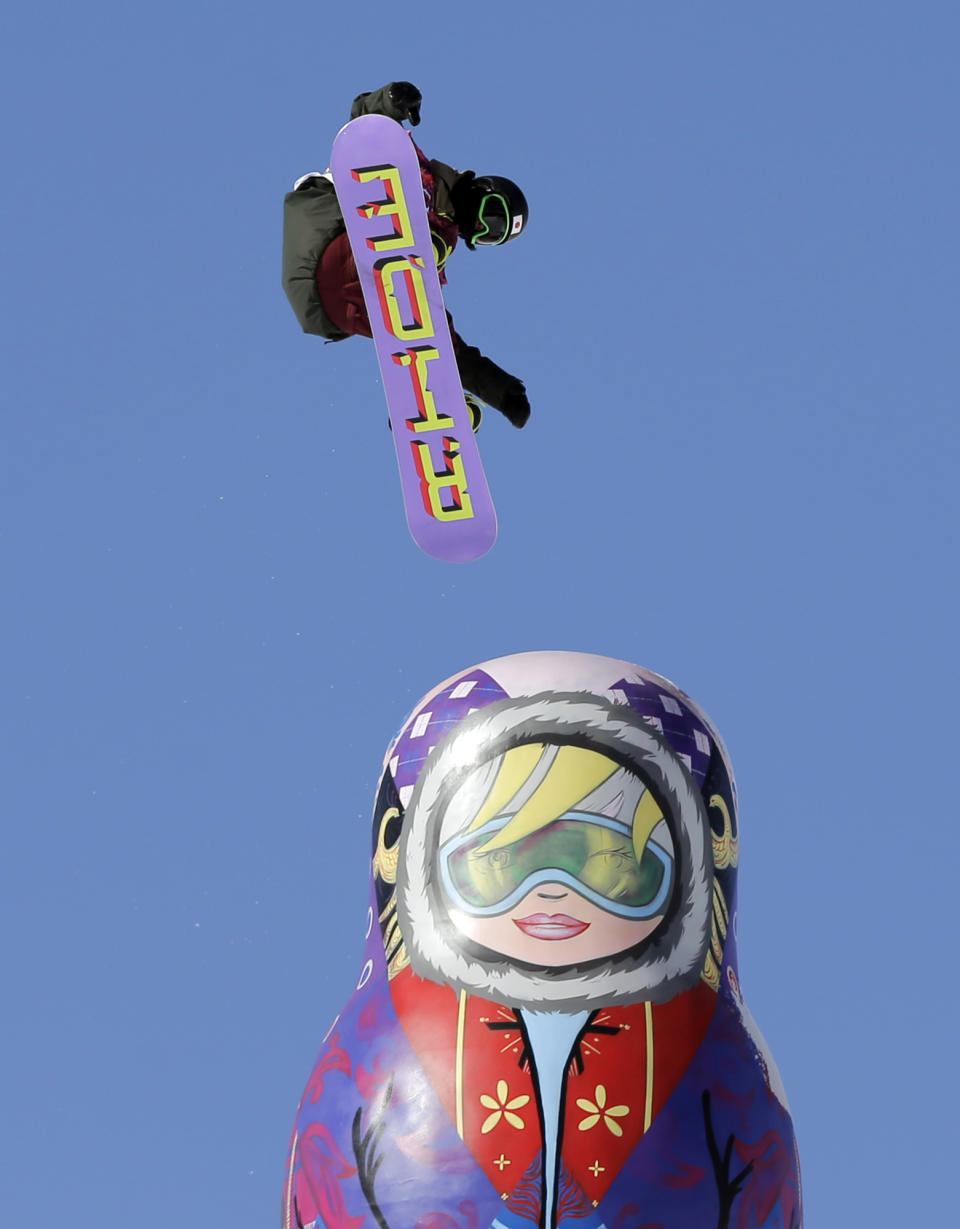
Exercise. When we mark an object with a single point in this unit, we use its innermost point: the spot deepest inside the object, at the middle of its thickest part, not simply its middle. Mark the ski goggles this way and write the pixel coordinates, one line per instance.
(589, 853)
(493, 220)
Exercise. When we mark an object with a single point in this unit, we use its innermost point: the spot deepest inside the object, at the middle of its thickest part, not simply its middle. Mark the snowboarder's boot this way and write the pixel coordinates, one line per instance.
(476, 411)
(474, 407)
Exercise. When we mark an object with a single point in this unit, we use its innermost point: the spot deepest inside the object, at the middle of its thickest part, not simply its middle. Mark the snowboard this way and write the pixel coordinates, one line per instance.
(376, 173)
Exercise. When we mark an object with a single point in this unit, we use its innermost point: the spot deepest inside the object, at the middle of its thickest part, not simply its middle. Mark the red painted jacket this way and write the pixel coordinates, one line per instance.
(625, 1064)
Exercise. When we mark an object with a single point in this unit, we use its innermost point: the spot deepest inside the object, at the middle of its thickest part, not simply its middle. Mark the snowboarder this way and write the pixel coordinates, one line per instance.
(320, 276)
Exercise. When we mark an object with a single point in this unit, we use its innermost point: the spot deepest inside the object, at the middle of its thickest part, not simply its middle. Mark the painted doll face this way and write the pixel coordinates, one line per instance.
(553, 926)
(570, 890)
(553, 851)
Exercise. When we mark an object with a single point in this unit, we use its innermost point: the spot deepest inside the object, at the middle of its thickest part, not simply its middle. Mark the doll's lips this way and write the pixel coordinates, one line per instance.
(550, 926)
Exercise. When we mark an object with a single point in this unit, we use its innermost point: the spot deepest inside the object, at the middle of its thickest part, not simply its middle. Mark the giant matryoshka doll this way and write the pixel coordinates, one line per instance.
(547, 1028)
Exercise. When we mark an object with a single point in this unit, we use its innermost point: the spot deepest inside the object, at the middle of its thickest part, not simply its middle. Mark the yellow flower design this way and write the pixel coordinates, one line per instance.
(502, 1108)
(598, 1109)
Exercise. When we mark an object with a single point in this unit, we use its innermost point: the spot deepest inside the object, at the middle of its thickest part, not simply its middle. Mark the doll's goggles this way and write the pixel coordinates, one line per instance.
(591, 854)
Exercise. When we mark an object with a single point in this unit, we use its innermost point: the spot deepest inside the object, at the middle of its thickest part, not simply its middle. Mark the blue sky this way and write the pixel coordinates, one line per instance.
(735, 309)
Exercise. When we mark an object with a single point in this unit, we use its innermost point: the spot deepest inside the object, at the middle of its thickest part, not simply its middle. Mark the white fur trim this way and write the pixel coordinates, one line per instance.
(667, 963)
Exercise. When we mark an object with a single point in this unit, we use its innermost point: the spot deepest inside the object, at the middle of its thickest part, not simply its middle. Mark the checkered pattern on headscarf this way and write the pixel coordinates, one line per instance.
(667, 713)
(438, 717)
(663, 709)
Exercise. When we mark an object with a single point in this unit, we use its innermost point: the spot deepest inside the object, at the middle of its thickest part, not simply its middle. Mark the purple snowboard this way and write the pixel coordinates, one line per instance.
(377, 176)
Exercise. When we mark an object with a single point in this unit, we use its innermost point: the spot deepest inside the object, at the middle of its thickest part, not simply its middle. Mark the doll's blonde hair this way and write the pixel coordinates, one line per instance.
(568, 775)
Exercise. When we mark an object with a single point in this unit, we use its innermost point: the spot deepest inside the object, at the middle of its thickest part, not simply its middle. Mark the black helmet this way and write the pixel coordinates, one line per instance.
(491, 211)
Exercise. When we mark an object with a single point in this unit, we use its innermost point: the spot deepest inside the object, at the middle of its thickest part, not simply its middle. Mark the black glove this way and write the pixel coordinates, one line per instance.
(405, 100)
(498, 388)
(514, 405)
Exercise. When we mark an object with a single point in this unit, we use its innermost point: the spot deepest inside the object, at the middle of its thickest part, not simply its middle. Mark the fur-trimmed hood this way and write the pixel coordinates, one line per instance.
(669, 961)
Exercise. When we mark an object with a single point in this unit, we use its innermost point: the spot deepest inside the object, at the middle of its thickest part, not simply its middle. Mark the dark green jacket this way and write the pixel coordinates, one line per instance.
(311, 218)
